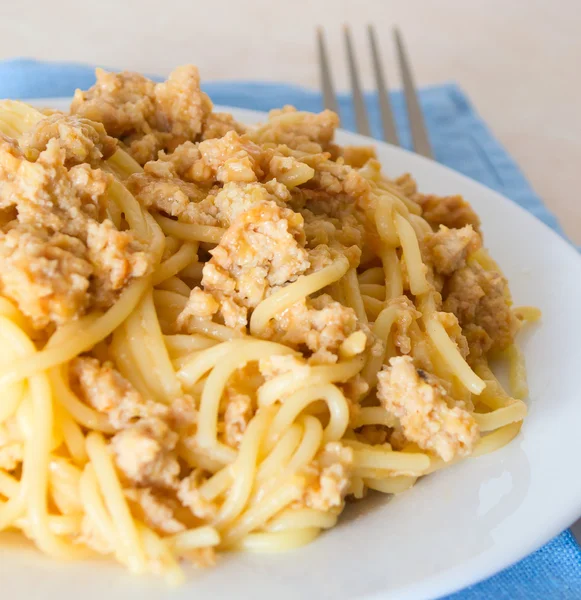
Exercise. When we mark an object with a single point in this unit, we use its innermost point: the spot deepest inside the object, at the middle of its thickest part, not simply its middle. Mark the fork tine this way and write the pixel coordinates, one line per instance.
(358, 102)
(385, 109)
(420, 140)
(329, 96)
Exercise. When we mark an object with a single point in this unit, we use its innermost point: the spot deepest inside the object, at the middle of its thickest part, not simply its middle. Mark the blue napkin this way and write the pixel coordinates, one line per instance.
(462, 141)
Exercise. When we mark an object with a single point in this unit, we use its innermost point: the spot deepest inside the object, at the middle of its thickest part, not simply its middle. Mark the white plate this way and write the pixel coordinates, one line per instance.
(455, 527)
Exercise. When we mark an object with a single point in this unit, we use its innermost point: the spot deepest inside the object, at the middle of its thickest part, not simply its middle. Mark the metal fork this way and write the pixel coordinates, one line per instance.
(420, 141)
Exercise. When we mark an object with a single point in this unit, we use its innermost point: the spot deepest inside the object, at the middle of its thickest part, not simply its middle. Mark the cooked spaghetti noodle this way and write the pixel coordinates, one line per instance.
(214, 335)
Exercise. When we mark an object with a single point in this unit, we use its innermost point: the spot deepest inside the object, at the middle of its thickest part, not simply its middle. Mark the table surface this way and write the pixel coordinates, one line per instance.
(517, 59)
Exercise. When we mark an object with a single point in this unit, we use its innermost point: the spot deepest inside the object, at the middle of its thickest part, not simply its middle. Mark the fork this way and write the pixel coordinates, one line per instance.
(420, 141)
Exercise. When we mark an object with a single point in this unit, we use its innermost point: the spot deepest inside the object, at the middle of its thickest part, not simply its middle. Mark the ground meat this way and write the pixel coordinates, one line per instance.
(46, 275)
(60, 255)
(297, 130)
(45, 193)
(239, 410)
(123, 102)
(235, 199)
(322, 256)
(345, 234)
(406, 315)
(218, 125)
(354, 390)
(232, 158)
(451, 211)
(261, 250)
(427, 414)
(174, 197)
(189, 495)
(144, 453)
(200, 304)
(169, 190)
(478, 298)
(289, 170)
(448, 248)
(185, 162)
(155, 510)
(406, 184)
(101, 386)
(181, 107)
(148, 117)
(83, 141)
(337, 179)
(183, 413)
(341, 213)
(116, 258)
(328, 477)
(164, 193)
(318, 326)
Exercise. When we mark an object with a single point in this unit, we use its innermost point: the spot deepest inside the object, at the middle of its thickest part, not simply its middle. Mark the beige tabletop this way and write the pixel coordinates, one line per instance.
(517, 59)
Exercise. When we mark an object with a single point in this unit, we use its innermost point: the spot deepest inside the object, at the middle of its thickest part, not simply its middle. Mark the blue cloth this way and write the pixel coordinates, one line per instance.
(461, 141)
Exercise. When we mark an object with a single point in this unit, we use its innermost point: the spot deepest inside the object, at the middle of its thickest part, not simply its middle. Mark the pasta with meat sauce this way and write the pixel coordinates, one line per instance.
(214, 335)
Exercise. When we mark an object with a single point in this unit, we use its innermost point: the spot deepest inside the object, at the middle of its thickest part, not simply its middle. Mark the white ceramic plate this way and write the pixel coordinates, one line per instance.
(455, 527)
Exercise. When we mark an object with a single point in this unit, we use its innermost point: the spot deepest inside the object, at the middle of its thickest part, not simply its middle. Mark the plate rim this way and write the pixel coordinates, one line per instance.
(449, 581)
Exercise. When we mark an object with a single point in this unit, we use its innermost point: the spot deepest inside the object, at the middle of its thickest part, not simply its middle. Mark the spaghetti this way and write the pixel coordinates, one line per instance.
(214, 335)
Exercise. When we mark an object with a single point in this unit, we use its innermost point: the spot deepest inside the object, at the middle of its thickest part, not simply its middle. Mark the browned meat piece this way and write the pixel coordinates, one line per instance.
(148, 117)
(479, 299)
(83, 141)
(427, 414)
(449, 248)
(46, 275)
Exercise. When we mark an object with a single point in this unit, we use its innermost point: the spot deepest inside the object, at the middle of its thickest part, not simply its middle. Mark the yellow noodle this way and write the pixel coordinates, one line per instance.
(527, 313)
(373, 290)
(353, 294)
(186, 255)
(115, 501)
(392, 273)
(393, 461)
(302, 518)
(176, 285)
(200, 537)
(384, 219)
(190, 232)
(500, 417)
(258, 514)
(391, 485)
(82, 341)
(517, 372)
(373, 415)
(283, 385)
(450, 353)
(304, 286)
(412, 255)
(278, 541)
(243, 469)
(374, 275)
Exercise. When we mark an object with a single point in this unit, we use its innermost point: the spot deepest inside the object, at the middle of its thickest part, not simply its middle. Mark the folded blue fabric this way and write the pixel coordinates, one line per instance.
(461, 141)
